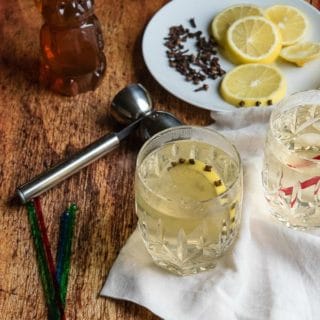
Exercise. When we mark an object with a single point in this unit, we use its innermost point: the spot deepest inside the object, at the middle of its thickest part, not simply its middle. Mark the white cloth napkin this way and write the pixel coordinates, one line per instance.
(273, 272)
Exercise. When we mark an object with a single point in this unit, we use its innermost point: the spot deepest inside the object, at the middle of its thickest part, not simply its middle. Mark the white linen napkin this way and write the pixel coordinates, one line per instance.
(272, 273)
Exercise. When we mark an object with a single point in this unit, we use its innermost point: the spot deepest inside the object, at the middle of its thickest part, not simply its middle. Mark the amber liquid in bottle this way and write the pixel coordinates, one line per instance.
(72, 58)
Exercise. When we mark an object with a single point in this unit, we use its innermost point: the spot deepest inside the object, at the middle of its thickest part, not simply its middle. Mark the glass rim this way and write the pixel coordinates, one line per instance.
(294, 98)
(238, 174)
(314, 93)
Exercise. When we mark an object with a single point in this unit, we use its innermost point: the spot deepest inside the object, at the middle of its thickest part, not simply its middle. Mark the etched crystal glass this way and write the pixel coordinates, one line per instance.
(291, 170)
(188, 192)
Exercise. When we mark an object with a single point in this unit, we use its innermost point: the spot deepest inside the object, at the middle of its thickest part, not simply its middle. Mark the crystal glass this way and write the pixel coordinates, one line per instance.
(188, 192)
(291, 170)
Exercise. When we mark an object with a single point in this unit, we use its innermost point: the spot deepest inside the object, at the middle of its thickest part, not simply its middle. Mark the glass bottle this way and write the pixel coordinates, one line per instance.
(72, 58)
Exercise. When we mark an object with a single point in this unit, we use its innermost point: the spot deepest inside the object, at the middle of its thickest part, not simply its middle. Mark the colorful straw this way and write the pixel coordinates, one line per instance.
(314, 181)
(47, 248)
(67, 222)
(303, 185)
(45, 276)
(63, 230)
(54, 280)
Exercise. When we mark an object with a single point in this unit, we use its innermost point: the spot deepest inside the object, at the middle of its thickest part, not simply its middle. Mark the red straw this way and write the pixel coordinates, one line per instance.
(47, 248)
(305, 184)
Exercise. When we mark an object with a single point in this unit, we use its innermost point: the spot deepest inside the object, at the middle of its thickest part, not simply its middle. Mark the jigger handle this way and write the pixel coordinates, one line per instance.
(65, 169)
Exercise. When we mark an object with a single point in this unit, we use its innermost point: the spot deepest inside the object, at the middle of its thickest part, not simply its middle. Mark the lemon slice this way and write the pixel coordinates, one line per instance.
(290, 21)
(200, 182)
(301, 53)
(253, 40)
(227, 17)
(253, 85)
(196, 180)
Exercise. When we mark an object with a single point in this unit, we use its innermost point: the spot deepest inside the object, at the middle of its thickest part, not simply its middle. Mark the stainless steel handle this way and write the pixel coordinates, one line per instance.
(65, 169)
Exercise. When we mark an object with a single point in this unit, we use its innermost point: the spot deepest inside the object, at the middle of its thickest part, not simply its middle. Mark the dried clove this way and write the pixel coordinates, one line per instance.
(218, 183)
(202, 88)
(194, 67)
(192, 23)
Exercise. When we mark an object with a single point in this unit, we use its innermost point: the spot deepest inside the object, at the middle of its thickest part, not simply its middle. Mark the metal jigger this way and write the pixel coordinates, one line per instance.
(131, 106)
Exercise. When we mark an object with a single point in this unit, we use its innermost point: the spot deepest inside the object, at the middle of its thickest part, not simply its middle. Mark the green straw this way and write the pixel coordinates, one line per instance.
(45, 276)
(67, 222)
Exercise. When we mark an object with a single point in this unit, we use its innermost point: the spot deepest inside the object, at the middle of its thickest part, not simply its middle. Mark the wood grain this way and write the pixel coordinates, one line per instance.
(39, 128)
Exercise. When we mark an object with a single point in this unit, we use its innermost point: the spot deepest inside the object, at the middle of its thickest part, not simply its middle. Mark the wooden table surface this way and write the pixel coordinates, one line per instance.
(39, 128)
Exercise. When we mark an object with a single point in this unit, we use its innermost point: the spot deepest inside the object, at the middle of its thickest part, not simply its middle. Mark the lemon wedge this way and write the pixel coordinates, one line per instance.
(227, 17)
(253, 40)
(253, 85)
(301, 53)
(291, 22)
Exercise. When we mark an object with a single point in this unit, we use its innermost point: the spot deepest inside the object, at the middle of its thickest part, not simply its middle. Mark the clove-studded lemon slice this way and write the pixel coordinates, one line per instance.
(253, 84)
(195, 180)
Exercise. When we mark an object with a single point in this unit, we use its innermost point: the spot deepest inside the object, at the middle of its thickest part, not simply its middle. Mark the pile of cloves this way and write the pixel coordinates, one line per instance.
(195, 67)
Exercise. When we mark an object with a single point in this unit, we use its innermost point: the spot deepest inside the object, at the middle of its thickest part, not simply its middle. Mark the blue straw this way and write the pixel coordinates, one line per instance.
(67, 222)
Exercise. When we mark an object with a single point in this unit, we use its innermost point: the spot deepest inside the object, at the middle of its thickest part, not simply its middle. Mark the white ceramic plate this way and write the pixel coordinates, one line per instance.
(179, 12)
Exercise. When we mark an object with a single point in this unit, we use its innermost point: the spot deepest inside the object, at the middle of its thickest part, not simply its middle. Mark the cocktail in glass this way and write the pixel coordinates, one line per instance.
(188, 191)
(291, 172)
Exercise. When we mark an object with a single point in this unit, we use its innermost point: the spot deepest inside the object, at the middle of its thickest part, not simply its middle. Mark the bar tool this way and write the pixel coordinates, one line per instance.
(131, 106)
